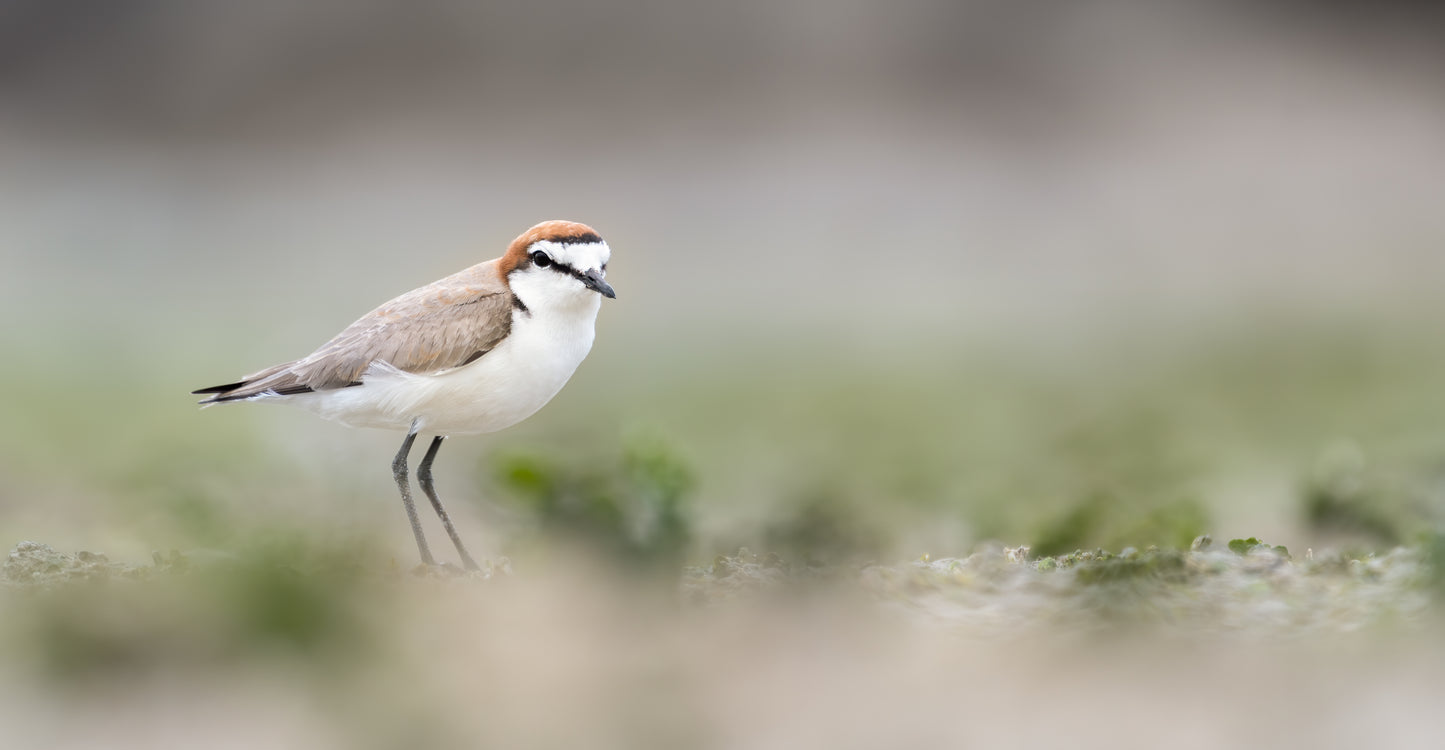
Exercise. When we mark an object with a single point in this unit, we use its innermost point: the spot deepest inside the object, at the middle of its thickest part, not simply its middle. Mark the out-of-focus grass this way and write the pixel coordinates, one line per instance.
(1301, 431)
(1127, 440)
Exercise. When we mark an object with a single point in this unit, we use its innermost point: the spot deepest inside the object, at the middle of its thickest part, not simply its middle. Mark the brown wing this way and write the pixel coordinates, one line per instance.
(443, 325)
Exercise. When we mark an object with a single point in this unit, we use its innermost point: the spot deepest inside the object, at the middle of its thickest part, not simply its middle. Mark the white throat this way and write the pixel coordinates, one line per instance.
(546, 294)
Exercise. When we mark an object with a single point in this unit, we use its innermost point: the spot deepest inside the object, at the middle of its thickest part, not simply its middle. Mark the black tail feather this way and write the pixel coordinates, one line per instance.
(219, 388)
(222, 393)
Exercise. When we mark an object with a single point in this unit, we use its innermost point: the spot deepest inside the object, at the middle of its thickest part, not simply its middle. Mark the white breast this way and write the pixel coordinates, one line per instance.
(506, 385)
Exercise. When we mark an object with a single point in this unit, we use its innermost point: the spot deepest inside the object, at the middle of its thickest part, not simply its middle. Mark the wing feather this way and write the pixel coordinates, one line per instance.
(437, 327)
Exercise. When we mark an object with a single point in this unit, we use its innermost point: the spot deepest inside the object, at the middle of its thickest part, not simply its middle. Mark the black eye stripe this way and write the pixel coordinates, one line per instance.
(564, 268)
(540, 259)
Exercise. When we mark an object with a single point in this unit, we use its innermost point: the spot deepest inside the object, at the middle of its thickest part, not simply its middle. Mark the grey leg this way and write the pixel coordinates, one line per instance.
(423, 476)
(398, 471)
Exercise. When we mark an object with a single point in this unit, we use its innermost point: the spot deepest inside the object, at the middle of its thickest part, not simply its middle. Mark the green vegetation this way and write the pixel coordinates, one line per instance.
(1131, 441)
(635, 510)
(1246, 546)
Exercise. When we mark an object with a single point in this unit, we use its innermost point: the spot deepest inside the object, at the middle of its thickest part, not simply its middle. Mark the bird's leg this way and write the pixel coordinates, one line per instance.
(423, 477)
(398, 471)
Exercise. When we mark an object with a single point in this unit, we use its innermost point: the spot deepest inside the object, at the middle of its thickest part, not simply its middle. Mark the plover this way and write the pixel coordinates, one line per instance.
(475, 352)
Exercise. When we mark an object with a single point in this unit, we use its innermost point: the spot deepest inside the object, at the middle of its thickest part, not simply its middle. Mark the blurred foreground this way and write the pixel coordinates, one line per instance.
(289, 650)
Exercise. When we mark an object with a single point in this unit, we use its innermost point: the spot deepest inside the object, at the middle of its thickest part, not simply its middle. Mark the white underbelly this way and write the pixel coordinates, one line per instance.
(505, 386)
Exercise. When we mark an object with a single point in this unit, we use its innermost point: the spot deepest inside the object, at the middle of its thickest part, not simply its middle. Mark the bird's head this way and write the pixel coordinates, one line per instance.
(557, 262)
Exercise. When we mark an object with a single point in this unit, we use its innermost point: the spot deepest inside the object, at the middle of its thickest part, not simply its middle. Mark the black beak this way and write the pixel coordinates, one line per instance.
(593, 280)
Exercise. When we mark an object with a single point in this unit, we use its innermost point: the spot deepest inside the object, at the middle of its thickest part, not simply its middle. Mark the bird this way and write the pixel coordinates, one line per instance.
(473, 353)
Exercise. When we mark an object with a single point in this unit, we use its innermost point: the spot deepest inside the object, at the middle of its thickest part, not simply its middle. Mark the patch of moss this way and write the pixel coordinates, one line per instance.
(1104, 519)
(1165, 566)
(1246, 546)
(635, 510)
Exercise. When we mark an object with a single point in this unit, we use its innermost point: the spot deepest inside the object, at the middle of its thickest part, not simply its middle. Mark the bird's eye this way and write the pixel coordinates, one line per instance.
(540, 259)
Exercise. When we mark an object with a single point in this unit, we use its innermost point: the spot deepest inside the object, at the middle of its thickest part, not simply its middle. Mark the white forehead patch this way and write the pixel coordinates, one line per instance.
(583, 256)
